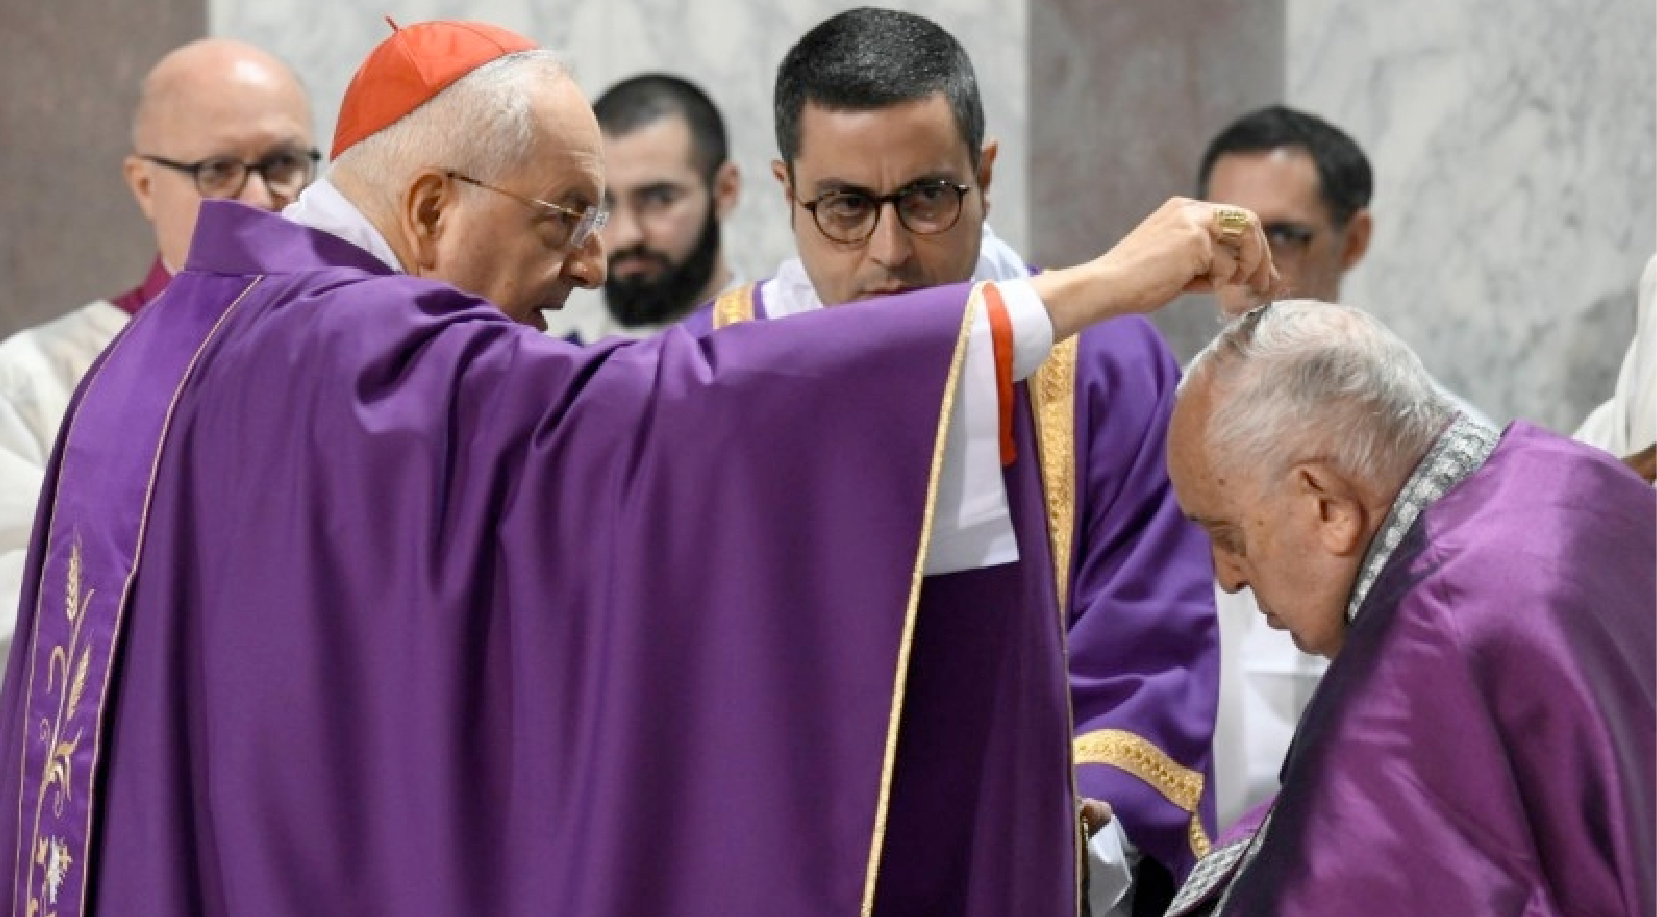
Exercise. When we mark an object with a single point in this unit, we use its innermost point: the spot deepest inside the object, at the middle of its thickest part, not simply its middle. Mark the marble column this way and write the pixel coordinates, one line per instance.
(1123, 99)
(69, 229)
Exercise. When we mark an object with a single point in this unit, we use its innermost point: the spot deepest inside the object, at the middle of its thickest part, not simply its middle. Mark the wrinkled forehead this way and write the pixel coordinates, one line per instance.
(567, 153)
(1191, 463)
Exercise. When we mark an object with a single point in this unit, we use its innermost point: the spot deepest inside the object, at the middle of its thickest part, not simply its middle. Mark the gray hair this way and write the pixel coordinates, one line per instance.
(482, 124)
(1304, 375)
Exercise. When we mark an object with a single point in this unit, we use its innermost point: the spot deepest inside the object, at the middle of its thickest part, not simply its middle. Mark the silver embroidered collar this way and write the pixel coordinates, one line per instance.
(1458, 452)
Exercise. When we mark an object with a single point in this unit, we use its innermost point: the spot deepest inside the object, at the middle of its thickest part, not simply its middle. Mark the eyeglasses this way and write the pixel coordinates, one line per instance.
(285, 172)
(575, 226)
(925, 208)
(1288, 238)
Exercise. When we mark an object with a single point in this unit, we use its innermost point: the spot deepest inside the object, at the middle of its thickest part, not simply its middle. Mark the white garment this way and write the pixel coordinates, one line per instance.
(39, 370)
(1265, 683)
(322, 206)
(1628, 422)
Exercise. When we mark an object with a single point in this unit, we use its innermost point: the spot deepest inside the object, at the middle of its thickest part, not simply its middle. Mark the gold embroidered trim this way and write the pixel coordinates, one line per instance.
(1200, 845)
(1135, 755)
(1053, 398)
(882, 805)
(734, 306)
(53, 858)
(49, 854)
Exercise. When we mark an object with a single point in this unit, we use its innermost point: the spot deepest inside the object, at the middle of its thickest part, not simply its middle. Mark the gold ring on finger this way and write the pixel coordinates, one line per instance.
(1230, 223)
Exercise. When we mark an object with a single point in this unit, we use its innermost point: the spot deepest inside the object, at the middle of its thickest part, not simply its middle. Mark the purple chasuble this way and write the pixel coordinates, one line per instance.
(1486, 741)
(437, 615)
(1143, 639)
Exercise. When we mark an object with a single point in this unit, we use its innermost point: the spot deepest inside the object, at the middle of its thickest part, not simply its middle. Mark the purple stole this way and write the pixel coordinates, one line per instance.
(97, 516)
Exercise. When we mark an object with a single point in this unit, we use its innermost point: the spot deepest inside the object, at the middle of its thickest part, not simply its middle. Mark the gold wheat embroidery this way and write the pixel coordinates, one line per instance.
(50, 857)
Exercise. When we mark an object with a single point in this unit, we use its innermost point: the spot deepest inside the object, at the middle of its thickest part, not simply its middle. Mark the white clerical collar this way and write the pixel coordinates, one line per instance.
(790, 292)
(322, 206)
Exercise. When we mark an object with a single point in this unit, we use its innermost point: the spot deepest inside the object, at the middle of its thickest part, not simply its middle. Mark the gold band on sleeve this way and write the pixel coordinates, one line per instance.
(1135, 755)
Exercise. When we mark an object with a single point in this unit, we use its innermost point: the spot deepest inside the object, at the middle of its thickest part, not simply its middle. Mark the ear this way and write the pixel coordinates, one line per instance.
(426, 213)
(986, 168)
(1337, 509)
(141, 182)
(780, 170)
(1357, 239)
(727, 189)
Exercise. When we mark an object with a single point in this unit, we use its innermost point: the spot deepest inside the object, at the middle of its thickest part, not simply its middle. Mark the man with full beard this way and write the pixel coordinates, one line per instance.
(671, 184)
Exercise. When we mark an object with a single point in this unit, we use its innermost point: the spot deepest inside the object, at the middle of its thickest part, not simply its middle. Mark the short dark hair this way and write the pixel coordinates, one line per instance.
(867, 59)
(1344, 179)
(643, 100)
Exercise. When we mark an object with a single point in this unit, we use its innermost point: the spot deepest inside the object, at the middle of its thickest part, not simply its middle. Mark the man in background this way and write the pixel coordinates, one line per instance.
(216, 119)
(671, 185)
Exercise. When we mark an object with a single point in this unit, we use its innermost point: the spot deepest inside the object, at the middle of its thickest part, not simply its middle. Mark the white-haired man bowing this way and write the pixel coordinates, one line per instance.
(1484, 740)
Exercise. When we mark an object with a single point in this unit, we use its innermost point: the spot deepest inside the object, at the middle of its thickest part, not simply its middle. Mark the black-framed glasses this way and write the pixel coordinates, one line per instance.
(925, 207)
(576, 226)
(285, 172)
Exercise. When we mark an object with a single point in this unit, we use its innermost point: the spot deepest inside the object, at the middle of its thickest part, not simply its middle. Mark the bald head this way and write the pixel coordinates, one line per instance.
(214, 97)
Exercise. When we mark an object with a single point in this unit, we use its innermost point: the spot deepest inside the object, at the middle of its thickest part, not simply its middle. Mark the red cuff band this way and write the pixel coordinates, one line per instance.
(1001, 335)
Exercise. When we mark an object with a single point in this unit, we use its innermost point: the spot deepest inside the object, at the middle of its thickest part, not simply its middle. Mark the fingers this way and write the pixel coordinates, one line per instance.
(1242, 256)
(1095, 814)
(1225, 265)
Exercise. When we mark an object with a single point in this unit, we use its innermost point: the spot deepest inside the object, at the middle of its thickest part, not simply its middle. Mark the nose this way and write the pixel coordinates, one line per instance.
(890, 245)
(622, 231)
(587, 266)
(1228, 573)
(256, 193)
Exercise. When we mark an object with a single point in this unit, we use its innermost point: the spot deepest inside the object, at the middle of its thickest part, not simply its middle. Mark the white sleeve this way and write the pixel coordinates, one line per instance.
(1628, 422)
(20, 477)
(972, 526)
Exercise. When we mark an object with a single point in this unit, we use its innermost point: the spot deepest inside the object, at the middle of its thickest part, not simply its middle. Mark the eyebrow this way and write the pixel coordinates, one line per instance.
(837, 186)
(656, 187)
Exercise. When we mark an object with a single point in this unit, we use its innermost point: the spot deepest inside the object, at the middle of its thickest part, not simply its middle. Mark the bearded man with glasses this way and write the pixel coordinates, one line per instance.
(216, 119)
(886, 170)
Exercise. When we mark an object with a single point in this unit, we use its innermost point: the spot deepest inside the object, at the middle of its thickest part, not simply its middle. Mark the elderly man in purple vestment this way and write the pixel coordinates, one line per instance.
(877, 107)
(351, 592)
(1485, 739)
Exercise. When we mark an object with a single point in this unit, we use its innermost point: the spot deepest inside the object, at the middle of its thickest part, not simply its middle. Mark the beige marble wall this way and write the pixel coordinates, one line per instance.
(1123, 99)
(69, 230)
(1516, 199)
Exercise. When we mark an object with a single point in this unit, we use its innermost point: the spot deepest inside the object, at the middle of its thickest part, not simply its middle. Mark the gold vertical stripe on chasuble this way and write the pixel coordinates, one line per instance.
(1053, 400)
